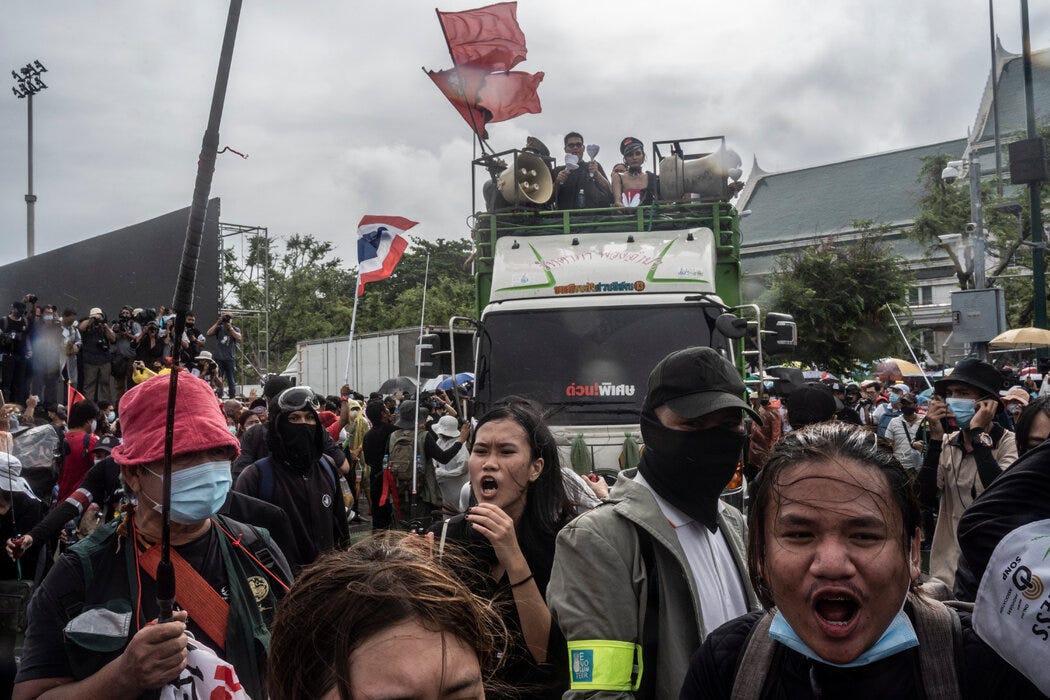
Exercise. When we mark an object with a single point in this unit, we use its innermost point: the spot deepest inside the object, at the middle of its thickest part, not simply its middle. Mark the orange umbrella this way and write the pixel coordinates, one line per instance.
(898, 368)
(1022, 338)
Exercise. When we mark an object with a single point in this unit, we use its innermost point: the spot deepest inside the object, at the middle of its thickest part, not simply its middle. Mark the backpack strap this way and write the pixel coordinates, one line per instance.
(650, 628)
(265, 479)
(938, 628)
(329, 466)
(757, 659)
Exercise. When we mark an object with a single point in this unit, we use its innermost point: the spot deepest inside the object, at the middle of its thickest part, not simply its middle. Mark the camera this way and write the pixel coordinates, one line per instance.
(227, 318)
(30, 298)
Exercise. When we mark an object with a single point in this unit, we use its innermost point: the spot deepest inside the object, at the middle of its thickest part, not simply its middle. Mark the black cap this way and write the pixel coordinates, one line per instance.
(695, 382)
(106, 443)
(975, 373)
(275, 384)
(629, 144)
(810, 403)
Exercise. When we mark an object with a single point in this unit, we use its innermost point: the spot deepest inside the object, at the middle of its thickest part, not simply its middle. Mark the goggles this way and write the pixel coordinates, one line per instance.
(297, 398)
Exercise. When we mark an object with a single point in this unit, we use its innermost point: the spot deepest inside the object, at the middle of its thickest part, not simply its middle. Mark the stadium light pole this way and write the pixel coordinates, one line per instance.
(27, 84)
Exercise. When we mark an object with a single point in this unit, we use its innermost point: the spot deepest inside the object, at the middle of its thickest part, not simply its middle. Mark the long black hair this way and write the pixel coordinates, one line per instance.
(547, 506)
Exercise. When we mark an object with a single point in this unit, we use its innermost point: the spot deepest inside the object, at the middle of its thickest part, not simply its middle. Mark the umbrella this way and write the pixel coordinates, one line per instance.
(459, 380)
(1022, 338)
(898, 368)
(432, 384)
(402, 383)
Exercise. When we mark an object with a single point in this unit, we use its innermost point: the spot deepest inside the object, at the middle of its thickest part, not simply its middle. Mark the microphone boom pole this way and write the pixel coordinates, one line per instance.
(184, 295)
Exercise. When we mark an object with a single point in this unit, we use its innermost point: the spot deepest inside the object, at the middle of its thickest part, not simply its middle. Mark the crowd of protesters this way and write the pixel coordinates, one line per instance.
(529, 579)
(43, 349)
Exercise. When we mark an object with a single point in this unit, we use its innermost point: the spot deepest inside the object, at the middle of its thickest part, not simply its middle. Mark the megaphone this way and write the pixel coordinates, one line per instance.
(705, 177)
(527, 181)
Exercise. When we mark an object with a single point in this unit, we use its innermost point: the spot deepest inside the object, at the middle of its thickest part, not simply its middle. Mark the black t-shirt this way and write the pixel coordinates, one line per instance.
(982, 674)
(45, 654)
(14, 336)
(18, 520)
(519, 671)
(595, 192)
(374, 446)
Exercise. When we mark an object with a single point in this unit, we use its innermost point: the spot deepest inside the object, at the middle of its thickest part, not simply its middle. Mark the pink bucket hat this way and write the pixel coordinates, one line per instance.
(199, 422)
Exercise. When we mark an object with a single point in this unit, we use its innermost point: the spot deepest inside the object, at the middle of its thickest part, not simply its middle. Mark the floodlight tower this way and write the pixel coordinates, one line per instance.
(27, 84)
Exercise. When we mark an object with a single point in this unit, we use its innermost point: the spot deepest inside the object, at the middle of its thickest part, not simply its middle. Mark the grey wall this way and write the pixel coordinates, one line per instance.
(136, 265)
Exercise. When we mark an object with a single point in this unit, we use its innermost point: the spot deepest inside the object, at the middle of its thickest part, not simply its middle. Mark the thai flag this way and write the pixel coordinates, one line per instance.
(380, 244)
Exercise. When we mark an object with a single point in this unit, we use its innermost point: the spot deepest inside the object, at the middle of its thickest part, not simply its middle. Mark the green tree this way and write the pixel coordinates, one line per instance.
(838, 292)
(312, 293)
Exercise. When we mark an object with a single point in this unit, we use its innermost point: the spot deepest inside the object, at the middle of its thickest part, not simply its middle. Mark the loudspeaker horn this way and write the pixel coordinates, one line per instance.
(528, 180)
(706, 176)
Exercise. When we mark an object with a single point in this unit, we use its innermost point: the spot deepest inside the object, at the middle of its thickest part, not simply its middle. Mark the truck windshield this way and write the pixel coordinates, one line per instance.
(586, 366)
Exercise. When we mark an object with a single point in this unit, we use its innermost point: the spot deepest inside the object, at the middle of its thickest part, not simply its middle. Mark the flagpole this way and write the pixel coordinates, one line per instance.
(419, 370)
(353, 321)
(908, 345)
(455, 67)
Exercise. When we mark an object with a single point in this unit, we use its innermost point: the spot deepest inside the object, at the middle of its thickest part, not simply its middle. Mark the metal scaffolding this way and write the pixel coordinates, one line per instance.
(240, 248)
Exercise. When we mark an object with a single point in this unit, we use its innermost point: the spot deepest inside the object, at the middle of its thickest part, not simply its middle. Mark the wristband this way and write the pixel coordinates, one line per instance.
(522, 582)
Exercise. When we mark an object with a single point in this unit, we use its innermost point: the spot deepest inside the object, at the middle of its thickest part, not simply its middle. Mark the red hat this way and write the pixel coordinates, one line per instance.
(199, 422)
(327, 418)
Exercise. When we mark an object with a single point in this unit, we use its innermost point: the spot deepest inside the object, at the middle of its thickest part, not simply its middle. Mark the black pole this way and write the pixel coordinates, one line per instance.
(1034, 190)
(184, 295)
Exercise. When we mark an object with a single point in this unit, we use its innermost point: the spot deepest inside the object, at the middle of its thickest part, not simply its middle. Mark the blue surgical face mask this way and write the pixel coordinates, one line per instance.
(963, 410)
(111, 416)
(900, 635)
(197, 493)
(895, 398)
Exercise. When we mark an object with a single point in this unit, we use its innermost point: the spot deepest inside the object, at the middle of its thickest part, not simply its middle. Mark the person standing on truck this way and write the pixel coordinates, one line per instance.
(663, 553)
(589, 179)
(631, 185)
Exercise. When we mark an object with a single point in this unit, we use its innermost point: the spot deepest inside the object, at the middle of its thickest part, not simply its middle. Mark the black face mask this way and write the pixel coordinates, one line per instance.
(908, 410)
(299, 446)
(689, 468)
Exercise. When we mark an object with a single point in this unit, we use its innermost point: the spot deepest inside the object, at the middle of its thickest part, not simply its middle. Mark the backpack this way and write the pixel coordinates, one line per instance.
(884, 422)
(401, 454)
(266, 477)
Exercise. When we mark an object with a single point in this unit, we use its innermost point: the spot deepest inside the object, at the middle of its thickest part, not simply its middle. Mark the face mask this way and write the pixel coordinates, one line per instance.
(49, 318)
(232, 429)
(689, 468)
(1013, 409)
(94, 425)
(963, 410)
(197, 493)
(900, 635)
(298, 444)
(111, 416)
(908, 410)
(894, 399)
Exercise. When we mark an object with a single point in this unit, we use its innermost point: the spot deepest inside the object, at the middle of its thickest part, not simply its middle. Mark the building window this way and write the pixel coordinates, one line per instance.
(920, 296)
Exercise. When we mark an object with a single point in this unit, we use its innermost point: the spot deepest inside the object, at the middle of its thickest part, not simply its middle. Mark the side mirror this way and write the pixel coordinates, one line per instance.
(780, 334)
(731, 326)
(428, 344)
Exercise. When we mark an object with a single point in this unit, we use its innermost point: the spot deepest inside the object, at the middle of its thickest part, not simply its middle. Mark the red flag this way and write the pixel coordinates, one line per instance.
(482, 97)
(73, 396)
(488, 37)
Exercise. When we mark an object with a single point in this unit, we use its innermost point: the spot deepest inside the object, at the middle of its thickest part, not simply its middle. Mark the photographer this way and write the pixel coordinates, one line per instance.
(15, 353)
(226, 335)
(97, 338)
(128, 332)
(192, 340)
(150, 348)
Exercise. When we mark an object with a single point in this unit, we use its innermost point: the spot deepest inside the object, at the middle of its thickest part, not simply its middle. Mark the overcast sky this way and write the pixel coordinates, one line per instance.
(328, 99)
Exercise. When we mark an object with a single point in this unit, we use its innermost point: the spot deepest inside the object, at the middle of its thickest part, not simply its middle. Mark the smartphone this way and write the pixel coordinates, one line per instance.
(946, 424)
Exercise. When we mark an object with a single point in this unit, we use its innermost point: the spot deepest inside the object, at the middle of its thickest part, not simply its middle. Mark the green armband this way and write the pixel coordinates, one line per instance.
(604, 664)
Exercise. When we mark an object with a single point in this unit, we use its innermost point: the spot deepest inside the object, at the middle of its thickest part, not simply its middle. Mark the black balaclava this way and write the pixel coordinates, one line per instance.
(297, 445)
(689, 468)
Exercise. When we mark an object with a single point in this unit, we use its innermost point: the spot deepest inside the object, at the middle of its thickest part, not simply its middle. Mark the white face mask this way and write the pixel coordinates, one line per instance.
(94, 425)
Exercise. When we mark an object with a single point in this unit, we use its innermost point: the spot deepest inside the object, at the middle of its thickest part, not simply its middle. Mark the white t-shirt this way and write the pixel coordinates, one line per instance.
(711, 562)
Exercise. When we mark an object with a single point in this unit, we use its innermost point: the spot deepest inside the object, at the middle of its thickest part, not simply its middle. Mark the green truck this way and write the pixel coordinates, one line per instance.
(575, 307)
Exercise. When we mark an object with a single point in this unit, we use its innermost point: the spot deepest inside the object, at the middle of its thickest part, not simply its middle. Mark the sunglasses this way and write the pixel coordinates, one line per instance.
(297, 398)
(575, 144)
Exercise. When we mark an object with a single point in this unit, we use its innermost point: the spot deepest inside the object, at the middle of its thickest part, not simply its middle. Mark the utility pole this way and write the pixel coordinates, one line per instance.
(27, 84)
(1034, 190)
